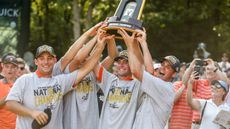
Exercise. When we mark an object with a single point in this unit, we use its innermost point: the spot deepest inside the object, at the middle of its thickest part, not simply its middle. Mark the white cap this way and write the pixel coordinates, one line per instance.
(156, 65)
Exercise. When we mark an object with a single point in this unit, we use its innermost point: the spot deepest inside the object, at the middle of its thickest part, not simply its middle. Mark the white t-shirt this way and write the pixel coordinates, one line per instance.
(155, 103)
(39, 93)
(120, 102)
(210, 112)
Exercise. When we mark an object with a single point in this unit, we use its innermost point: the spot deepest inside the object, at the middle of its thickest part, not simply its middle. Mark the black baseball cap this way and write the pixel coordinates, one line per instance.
(9, 58)
(45, 48)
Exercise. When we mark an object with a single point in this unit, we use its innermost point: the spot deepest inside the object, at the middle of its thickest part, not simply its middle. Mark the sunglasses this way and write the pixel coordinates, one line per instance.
(216, 86)
(21, 68)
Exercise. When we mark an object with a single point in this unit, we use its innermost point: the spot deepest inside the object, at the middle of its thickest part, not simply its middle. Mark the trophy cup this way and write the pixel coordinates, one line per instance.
(127, 16)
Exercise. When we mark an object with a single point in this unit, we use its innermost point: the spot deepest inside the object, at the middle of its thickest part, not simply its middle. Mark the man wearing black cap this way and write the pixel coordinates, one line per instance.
(157, 92)
(40, 91)
(9, 70)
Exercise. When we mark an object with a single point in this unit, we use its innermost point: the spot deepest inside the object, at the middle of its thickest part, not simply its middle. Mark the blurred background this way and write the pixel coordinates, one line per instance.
(173, 26)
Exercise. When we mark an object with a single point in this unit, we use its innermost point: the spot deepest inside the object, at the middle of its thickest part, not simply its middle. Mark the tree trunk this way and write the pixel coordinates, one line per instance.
(76, 19)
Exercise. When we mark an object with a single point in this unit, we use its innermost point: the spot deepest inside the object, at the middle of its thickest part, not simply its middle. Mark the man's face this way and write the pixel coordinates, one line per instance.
(123, 68)
(21, 70)
(9, 70)
(45, 63)
(167, 73)
(209, 73)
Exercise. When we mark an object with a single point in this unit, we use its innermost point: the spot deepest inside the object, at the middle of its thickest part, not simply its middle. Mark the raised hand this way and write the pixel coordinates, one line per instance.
(141, 35)
(129, 40)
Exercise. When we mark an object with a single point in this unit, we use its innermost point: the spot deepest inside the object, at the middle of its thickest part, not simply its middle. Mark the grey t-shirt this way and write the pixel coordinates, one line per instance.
(120, 102)
(155, 103)
(39, 93)
(81, 106)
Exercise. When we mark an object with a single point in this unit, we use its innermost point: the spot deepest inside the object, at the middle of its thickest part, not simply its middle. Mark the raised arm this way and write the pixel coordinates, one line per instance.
(112, 53)
(77, 45)
(82, 55)
(94, 58)
(148, 61)
(193, 103)
(133, 53)
(188, 72)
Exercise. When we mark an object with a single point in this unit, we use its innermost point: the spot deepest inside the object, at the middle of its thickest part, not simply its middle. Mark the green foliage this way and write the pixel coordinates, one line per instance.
(173, 27)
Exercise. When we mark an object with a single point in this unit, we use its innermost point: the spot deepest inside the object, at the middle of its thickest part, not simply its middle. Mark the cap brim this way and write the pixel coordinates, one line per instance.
(120, 57)
(44, 52)
(217, 82)
(8, 62)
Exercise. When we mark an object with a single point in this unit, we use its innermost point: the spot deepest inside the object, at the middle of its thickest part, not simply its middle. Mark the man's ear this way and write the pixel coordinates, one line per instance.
(35, 61)
(55, 59)
(174, 75)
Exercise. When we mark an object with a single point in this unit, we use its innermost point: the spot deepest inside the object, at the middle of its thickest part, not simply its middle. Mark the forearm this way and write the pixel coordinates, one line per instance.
(112, 49)
(18, 108)
(186, 75)
(148, 62)
(112, 53)
(90, 63)
(135, 64)
(179, 93)
(2, 101)
(193, 103)
(84, 52)
(73, 50)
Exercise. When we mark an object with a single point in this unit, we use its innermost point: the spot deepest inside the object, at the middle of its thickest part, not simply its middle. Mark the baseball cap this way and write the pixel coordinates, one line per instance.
(173, 61)
(10, 58)
(221, 83)
(123, 54)
(44, 48)
(156, 65)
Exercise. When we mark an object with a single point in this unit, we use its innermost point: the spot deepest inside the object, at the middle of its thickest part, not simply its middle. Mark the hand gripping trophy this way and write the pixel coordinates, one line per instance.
(127, 16)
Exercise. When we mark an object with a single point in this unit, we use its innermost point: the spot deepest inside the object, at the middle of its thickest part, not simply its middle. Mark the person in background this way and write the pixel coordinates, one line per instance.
(209, 108)
(224, 64)
(9, 69)
(202, 86)
(21, 67)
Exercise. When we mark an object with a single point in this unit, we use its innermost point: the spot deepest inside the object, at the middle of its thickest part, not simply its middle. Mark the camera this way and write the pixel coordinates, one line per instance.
(199, 66)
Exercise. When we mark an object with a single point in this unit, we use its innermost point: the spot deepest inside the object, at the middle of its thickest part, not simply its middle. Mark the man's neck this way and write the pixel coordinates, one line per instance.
(40, 74)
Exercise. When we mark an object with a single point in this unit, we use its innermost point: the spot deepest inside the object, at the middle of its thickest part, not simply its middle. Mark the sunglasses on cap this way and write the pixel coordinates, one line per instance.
(216, 86)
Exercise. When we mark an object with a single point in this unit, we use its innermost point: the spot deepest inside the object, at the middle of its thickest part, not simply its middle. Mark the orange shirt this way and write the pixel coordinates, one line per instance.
(7, 118)
(181, 116)
(202, 90)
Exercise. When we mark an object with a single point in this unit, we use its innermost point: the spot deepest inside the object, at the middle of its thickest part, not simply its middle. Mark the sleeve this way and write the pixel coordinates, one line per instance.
(66, 71)
(67, 81)
(104, 78)
(160, 91)
(17, 91)
(57, 68)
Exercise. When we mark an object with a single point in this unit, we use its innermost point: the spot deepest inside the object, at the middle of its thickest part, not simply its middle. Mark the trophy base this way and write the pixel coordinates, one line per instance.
(113, 31)
(129, 26)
